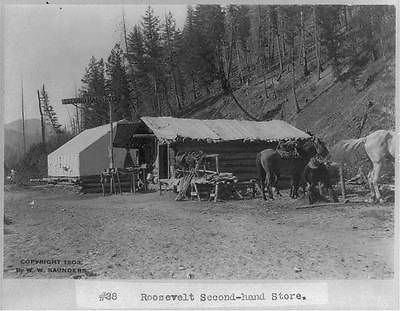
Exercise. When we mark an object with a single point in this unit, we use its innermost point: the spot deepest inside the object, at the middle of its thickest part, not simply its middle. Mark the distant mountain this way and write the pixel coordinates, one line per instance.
(14, 141)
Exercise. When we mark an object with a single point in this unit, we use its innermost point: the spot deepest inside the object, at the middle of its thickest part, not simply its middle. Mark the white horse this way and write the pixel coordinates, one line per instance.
(379, 146)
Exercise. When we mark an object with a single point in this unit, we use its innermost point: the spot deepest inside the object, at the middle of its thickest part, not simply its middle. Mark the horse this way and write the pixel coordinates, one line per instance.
(379, 146)
(316, 171)
(269, 163)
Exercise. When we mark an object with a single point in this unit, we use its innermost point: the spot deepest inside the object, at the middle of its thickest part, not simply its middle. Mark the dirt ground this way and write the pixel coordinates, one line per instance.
(153, 237)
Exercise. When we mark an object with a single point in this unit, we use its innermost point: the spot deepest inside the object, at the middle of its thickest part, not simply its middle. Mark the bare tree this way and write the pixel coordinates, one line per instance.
(303, 43)
(316, 42)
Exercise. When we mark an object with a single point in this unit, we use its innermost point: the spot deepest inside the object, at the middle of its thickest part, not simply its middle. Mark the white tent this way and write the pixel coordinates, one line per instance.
(84, 155)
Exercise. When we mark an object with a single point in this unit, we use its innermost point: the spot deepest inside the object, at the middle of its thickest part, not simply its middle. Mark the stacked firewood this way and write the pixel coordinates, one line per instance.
(193, 164)
(221, 178)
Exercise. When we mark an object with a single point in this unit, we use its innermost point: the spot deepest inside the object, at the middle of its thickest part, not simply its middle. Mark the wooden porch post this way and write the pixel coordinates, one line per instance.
(168, 162)
(342, 184)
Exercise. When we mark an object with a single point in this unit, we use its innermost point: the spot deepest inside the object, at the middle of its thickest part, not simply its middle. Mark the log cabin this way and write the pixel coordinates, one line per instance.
(158, 140)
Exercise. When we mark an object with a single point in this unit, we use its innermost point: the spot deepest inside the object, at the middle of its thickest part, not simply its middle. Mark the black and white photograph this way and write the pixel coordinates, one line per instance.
(199, 142)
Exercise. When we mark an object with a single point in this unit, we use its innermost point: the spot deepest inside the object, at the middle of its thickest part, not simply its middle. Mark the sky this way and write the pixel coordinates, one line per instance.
(52, 45)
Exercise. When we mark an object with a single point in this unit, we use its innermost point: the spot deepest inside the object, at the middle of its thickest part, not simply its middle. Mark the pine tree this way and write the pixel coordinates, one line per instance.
(117, 84)
(264, 34)
(49, 112)
(138, 78)
(136, 48)
(274, 19)
(187, 50)
(303, 16)
(317, 47)
(153, 55)
(170, 55)
(330, 36)
(182, 83)
(370, 30)
(224, 44)
(209, 25)
(237, 32)
(93, 81)
(151, 35)
(290, 15)
(243, 26)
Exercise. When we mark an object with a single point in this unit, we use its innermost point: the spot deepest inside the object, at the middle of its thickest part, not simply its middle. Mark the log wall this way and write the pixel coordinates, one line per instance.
(92, 184)
(238, 158)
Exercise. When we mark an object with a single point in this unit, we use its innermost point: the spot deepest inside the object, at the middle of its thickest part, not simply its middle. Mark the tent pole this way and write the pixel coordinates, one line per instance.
(111, 134)
(159, 159)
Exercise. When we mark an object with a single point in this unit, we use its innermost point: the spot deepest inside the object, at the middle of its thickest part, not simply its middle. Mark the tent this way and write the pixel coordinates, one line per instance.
(86, 154)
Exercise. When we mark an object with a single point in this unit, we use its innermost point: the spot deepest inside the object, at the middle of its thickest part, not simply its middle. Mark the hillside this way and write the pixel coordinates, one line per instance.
(13, 139)
(332, 109)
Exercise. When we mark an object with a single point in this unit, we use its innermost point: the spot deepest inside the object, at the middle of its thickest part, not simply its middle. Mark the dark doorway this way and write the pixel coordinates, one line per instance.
(163, 161)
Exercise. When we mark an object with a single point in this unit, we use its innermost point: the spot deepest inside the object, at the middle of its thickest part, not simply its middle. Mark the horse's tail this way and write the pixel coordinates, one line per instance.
(352, 145)
(260, 168)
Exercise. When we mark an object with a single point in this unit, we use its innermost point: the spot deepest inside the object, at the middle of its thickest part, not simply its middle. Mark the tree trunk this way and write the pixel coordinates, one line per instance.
(77, 115)
(271, 55)
(132, 74)
(316, 42)
(194, 87)
(182, 90)
(264, 79)
(42, 120)
(172, 65)
(283, 110)
(239, 64)
(303, 45)
(294, 80)
(382, 47)
(349, 14)
(346, 20)
(23, 115)
(225, 78)
(225, 59)
(283, 42)
(279, 55)
(178, 101)
(157, 105)
(246, 58)
(224, 82)
(265, 85)
(273, 87)
(278, 44)
(170, 108)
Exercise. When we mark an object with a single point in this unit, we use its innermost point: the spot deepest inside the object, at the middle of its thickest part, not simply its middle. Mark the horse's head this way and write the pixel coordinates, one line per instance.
(315, 146)
(320, 147)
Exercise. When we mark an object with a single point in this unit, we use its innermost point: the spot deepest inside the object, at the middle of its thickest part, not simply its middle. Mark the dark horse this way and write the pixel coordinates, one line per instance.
(270, 162)
(316, 171)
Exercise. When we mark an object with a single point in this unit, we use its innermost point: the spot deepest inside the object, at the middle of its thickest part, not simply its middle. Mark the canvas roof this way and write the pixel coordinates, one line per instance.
(83, 140)
(169, 129)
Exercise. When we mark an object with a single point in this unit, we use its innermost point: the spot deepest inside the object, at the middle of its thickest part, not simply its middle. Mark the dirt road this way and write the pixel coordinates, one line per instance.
(153, 237)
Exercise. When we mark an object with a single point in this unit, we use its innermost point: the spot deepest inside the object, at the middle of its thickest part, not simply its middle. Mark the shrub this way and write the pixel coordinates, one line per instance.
(34, 162)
